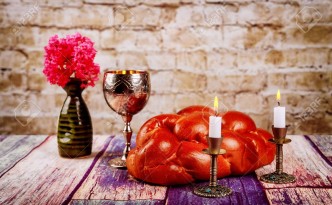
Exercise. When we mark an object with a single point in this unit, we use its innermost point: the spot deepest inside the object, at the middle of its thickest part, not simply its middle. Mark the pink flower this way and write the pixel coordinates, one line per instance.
(68, 57)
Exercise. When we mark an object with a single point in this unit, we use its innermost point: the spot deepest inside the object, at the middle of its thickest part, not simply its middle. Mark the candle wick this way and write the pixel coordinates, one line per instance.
(215, 111)
(278, 103)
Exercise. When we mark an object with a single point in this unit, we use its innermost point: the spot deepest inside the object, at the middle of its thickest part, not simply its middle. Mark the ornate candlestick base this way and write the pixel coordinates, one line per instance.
(213, 190)
(279, 177)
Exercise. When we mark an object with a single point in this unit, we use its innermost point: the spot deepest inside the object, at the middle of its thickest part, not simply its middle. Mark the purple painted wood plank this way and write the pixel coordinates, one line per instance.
(112, 184)
(43, 177)
(323, 144)
(246, 190)
(302, 160)
(110, 202)
(300, 196)
(15, 147)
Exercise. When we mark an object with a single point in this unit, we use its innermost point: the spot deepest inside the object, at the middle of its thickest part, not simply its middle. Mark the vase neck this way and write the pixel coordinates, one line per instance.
(73, 87)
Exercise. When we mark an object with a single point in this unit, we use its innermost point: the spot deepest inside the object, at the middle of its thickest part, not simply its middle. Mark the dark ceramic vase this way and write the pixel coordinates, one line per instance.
(74, 127)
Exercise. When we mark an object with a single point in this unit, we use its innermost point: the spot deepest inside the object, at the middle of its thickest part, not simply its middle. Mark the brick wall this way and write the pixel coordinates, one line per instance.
(241, 51)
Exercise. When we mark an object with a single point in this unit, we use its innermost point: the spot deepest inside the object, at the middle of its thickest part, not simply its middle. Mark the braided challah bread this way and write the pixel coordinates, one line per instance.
(169, 147)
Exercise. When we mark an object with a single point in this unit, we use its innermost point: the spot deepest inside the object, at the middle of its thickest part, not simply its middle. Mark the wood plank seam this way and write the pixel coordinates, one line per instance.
(318, 150)
(9, 168)
(166, 195)
(85, 176)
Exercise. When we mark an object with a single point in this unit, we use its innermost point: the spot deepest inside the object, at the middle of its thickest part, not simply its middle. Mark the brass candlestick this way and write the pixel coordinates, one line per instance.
(213, 190)
(279, 177)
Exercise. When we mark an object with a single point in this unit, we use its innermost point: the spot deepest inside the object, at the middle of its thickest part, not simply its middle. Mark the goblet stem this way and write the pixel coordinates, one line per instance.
(127, 133)
(120, 162)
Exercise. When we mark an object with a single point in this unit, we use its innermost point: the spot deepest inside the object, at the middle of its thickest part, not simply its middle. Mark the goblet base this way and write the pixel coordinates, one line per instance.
(118, 163)
(212, 191)
(276, 178)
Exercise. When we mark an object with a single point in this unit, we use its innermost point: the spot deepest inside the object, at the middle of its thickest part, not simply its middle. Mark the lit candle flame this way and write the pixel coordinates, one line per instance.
(215, 105)
(123, 72)
(278, 97)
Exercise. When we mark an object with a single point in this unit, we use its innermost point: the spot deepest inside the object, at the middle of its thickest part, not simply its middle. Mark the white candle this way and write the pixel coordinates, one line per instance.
(215, 122)
(279, 117)
(215, 127)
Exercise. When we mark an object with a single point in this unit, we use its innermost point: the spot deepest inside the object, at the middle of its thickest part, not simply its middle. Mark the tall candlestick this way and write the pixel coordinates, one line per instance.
(279, 177)
(215, 122)
(214, 140)
(279, 117)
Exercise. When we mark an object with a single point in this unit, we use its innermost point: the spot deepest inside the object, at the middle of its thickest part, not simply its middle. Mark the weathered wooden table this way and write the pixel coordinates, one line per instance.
(31, 172)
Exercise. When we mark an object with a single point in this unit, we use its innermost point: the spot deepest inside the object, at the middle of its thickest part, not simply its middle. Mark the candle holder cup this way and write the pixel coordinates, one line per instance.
(279, 177)
(213, 189)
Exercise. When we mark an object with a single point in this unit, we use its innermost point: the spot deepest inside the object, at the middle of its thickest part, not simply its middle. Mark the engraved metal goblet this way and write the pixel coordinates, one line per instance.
(126, 92)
